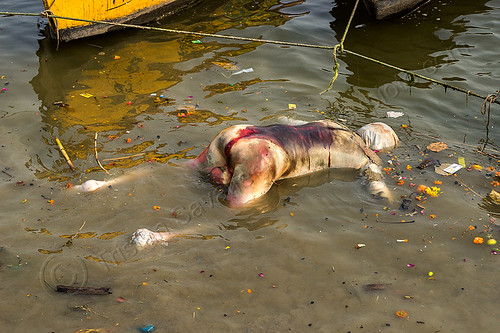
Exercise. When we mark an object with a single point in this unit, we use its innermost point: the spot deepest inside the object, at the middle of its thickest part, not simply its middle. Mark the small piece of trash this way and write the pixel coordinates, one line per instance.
(440, 169)
(292, 106)
(196, 41)
(405, 204)
(401, 240)
(428, 162)
(360, 245)
(375, 286)
(246, 70)
(86, 95)
(146, 328)
(493, 195)
(60, 103)
(394, 114)
(453, 168)
(437, 146)
(461, 161)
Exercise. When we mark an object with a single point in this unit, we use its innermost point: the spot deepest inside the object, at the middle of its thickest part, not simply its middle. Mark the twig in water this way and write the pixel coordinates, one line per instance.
(61, 148)
(490, 155)
(95, 151)
(70, 241)
(8, 174)
(468, 187)
(83, 290)
(83, 224)
(455, 142)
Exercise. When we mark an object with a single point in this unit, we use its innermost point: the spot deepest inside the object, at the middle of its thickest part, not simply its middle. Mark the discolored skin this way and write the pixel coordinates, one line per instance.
(378, 136)
(249, 159)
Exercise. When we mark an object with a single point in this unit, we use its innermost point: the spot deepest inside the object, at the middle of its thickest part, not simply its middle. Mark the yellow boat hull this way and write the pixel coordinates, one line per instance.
(119, 11)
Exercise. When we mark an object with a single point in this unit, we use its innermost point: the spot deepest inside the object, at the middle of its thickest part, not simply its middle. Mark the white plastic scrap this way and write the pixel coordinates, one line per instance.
(453, 168)
(394, 114)
(246, 70)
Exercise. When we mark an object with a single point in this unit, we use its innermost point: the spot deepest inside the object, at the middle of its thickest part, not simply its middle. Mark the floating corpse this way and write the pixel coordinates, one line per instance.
(249, 159)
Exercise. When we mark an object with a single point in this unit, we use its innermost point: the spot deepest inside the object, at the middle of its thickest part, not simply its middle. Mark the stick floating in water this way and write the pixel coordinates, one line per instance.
(83, 290)
(63, 151)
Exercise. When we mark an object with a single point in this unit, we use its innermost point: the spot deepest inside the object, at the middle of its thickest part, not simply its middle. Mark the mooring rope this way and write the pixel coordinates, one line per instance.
(338, 47)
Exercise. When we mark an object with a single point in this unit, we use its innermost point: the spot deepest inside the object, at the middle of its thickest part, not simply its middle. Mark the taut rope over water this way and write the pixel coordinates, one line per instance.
(340, 46)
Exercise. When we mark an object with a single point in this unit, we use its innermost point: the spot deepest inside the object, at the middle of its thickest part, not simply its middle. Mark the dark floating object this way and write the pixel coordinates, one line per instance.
(396, 222)
(83, 290)
(375, 286)
(60, 103)
(405, 204)
(427, 163)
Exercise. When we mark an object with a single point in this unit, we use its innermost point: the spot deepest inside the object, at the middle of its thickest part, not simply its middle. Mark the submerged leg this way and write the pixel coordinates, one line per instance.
(92, 185)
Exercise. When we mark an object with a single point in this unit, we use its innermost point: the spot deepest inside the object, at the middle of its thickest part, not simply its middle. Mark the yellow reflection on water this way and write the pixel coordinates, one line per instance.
(104, 84)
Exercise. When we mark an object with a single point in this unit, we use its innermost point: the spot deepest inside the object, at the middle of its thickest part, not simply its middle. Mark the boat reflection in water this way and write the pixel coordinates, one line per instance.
(112, 83)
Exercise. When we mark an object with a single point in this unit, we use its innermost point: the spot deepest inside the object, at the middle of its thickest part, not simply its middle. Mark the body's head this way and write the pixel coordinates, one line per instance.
(378, 136)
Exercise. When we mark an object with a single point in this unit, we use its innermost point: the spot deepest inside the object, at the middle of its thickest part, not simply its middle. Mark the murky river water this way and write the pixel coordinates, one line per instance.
(290, 264)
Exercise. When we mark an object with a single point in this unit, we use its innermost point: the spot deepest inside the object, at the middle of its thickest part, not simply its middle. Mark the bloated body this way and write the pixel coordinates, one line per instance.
(249, 158)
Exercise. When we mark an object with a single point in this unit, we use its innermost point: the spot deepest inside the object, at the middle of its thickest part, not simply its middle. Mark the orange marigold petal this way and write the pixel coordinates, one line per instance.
(478, 240)
(401, 314)
(421, 188)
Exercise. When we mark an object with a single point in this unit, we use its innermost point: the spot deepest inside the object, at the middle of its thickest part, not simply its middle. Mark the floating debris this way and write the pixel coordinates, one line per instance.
(427, 163)
(83, 290)
(394, 114)
(401, 314)
(437, 146)
(453, 168)
(405, 204)
(146, 328)
(478, 240)
(491, 241)
(494, 196)
(375, 286)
